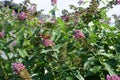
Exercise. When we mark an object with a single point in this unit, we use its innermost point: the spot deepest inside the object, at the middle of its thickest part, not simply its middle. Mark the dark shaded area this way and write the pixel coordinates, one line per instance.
(10, 5)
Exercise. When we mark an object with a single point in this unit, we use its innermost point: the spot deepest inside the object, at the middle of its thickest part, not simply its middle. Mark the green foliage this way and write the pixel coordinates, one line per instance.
(90, 58)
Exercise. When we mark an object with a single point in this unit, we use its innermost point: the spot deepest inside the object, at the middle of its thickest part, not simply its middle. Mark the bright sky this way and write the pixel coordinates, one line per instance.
(64, 4)
(46, 4)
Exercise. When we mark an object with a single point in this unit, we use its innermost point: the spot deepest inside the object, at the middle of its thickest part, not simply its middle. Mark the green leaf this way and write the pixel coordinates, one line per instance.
(87, 64)
(34, 33)
(105, 26)
(20, 38)
(104, 54)
(61, 23)
(8, 43)
(1, 41)
(69, 78)
(79, 76)
(109, 69)
(48, 76)
(45, 51)
(1, 44)
(95, 69)
(7, 66)
(58, 46)
(22, 53)
(25, 53)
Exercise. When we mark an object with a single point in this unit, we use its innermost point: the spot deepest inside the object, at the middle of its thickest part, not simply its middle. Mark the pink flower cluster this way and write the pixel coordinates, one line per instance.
(48, 42)
(22, 15)
(18, 67)
(114, 77)
(53, 2)
(78, 34)
(1, 34)
(118, 1)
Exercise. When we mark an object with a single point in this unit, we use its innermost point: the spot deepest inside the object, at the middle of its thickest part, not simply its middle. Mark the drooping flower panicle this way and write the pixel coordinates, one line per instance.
(18, 67)
(21, 71)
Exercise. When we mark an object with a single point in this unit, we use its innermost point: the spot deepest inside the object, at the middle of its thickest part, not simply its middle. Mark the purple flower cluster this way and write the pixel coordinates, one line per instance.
(118, 1)
(114, 77)
(78, 34)
(22, 15)
(18, 67)
(1, 34)
(48, 42)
